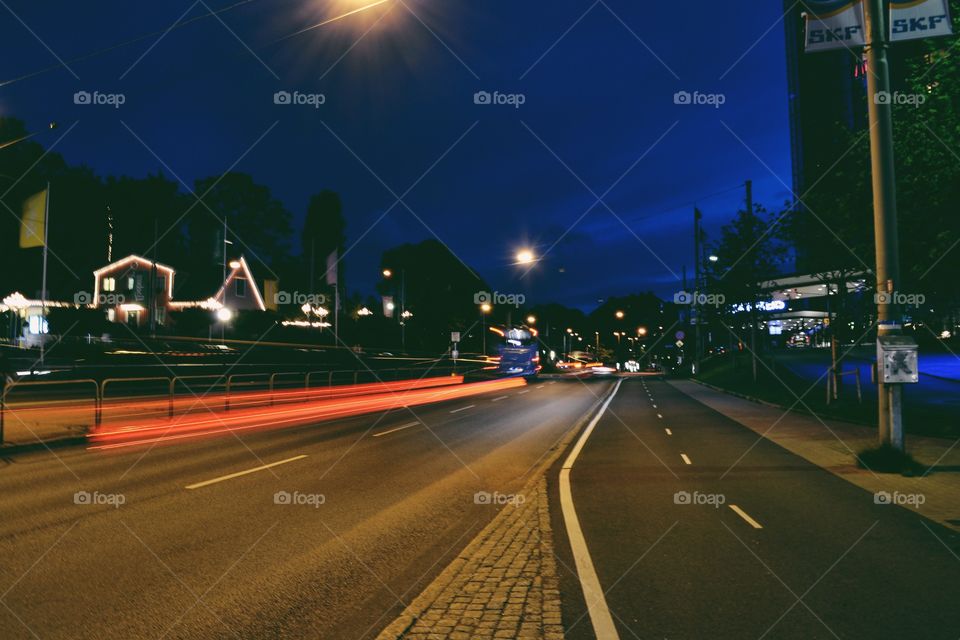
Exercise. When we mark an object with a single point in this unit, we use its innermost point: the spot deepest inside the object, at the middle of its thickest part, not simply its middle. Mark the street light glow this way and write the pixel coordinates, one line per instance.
(224, 314)
(619, 315)
(525, 256)
(531, 319)
(485, 307)
(713, 258)
(387, 273)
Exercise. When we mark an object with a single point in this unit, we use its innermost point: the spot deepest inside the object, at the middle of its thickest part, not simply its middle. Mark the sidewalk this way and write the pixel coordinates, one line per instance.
(811, 439)
(503, 585)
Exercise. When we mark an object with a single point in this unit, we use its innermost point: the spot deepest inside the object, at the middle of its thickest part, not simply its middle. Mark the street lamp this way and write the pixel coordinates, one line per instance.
(531, 319)
(224, 314)
(619, 315)
(387, 273)
(641, 331)
(525, 256)
(485, 308)
(712, 258)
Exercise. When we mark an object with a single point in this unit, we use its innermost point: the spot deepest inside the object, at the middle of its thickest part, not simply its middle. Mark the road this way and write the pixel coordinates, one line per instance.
(825, 562)
(378, 505)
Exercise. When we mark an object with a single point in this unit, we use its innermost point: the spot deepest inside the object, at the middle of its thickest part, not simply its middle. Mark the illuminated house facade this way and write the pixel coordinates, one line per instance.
(125, 291)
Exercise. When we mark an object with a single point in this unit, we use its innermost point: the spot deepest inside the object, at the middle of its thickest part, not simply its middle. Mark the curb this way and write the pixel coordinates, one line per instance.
(408, 618)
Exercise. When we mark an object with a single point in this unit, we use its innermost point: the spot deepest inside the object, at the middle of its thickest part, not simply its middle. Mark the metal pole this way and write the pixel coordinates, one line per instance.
(696, 287)
(43, 285)
(884, 210)
(753, 304)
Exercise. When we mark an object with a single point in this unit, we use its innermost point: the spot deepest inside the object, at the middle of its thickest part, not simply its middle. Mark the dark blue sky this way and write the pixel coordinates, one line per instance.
(597, 100)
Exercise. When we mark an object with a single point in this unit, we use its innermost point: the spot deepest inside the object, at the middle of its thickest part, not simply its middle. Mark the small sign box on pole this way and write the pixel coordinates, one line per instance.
(897, 359)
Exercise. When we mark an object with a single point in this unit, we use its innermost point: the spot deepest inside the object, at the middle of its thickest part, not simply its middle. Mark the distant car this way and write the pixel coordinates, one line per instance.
(600, 369)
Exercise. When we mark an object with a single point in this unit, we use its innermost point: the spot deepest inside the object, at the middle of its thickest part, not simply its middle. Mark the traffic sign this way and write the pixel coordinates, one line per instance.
(680, 335)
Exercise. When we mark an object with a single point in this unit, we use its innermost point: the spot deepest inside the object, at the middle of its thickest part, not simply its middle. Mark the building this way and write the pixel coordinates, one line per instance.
(127, 292)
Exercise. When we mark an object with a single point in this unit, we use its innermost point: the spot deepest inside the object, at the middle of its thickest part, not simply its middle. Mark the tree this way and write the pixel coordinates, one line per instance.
(258, 226)
(438, 289)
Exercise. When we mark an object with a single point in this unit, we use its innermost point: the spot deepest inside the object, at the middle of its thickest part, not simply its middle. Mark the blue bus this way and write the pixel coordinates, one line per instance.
(519, 353)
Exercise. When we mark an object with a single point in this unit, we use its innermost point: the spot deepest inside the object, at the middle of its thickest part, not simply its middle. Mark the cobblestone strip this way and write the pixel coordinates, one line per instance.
(503, 585)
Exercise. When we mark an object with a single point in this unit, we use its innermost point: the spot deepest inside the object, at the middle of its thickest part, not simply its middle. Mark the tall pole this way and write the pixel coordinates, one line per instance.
(753, 304)
(884, 210)
(223, 325)
(696, 287)
(43, 284)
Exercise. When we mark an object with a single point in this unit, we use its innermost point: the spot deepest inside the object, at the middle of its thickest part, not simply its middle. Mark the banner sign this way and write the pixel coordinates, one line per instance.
(834, 24)
(915, 19)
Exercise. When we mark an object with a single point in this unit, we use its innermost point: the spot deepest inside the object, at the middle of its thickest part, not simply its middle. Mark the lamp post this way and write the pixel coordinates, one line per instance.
(484, 310)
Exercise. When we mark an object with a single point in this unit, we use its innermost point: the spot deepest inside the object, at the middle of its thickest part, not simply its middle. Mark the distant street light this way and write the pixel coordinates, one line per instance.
(641, 331)
(387, 273)
(224, 314)
(619, 315)
(531, 319)
(525, 256)
(713, 258)
(485, 307)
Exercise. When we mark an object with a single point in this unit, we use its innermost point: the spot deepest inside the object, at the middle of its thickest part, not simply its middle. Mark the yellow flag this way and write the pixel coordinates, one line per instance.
(33, 220)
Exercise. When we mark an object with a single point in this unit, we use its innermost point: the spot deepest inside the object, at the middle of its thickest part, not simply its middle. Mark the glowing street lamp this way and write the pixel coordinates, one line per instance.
(224, 314)
(713, 258)
(531, 319)
(525, 256)
(641, 331)
(387, 273)
(619, 315)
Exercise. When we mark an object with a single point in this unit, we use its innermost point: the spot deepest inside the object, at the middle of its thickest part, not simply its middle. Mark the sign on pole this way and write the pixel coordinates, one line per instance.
(840, 24)
(912, 20)
(835, 24)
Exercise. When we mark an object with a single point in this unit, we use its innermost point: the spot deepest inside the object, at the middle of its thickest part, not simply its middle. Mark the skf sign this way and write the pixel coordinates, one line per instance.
(839, 24)
(835, 25)
(913, 20)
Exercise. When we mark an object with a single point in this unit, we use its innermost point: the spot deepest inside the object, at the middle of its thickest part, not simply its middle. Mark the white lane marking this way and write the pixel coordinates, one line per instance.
(552, 382)
(669, 433)
(743, 514)
(659, 416)
(403, 426)
(523, 392)
(230, 476)
(469, 406)
(499, 399)
(654, 406)
(540, 386)
(686, 459)
(603, 627)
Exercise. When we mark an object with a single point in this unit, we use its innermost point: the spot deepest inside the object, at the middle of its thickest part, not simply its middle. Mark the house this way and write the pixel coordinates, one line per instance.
(127, 291)
(124, 289)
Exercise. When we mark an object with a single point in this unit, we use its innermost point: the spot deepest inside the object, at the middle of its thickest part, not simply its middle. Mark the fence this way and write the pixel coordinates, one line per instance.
(277, 386)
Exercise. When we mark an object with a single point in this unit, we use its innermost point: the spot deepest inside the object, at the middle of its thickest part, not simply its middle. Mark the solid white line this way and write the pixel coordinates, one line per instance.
(403, 426)
(603, 627)
(499, 399)
(743, 514)
(685, 458)
(469, 406)
(242, 473)
(669, 433)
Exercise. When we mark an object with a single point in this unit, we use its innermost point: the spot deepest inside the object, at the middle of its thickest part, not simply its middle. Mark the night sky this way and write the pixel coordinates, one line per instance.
(400, 115)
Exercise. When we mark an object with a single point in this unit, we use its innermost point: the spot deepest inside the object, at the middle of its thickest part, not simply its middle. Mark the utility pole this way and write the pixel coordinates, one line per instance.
(884, 212)
(753, 304)
(697, 255)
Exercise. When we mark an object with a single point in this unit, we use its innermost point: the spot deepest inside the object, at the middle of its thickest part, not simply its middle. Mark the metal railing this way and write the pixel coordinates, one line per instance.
(271, 382)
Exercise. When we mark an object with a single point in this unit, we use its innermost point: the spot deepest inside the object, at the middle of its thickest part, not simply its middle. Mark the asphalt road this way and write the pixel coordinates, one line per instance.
(376, 509)
(827, 561)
